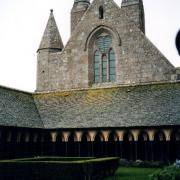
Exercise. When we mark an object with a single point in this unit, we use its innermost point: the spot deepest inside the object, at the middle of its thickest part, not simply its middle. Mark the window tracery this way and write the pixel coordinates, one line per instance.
(104, 60)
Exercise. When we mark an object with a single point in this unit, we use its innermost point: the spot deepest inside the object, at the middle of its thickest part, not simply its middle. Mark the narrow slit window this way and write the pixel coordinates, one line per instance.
(101, 12)
(97, 67)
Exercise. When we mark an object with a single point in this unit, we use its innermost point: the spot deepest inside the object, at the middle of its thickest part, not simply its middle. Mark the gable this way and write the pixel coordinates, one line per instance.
(138, 61)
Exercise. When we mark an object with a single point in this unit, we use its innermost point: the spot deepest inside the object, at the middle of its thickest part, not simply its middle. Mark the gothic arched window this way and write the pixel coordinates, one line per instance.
(104, 60)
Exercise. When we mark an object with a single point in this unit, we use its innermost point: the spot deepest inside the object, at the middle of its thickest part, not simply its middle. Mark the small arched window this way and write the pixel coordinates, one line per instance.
(101, 12)
(104, 60)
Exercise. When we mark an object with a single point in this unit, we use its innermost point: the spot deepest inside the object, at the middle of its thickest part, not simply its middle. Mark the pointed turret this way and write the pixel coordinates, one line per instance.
(79, 8)
(135, 11)
(51, 43)
(51, 39)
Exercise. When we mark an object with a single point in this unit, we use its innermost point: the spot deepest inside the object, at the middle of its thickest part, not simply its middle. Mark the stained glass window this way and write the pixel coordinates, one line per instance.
(104, 60)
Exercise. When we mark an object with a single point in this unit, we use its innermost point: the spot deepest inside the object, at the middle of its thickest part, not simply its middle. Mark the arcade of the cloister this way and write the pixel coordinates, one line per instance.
(149, 144)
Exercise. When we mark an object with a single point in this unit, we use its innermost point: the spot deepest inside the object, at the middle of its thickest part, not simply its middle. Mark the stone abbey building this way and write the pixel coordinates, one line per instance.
(107, 92)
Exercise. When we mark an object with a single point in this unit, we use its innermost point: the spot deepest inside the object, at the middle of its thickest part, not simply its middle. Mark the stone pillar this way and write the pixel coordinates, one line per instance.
(66, 136)
(27, 137)
(120, 134)
(35, 138)
(106, 138)
(9, 137)
(18, 137)
(79, 136)
(26, 144)
(92, 135)
(167, 133)
(8, 150)
(53, 139)
(151, 134)
(135, 134)
(53, 136)
(35, 144)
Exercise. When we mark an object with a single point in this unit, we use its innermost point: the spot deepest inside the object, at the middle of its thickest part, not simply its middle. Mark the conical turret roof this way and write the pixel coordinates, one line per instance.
(51, 38)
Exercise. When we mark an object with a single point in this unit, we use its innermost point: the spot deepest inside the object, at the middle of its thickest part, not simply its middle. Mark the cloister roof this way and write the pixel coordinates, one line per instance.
(145, 105)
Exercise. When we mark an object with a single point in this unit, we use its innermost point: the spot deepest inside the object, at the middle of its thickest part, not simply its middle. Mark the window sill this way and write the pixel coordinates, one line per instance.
(104, 84)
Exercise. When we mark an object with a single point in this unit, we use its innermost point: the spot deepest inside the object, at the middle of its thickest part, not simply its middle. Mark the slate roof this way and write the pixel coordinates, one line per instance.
(18, 109)
(135, 106)
(51, 38)
(145, 105)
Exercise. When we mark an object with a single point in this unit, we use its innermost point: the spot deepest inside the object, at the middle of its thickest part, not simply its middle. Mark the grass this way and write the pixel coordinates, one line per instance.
(129, 173)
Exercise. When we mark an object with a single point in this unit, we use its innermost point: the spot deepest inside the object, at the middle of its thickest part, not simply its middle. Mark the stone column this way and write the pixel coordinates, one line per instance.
(167, 133)
(92, 135)
(135, 134)
(79, 136)
(120, 134)
(66, 136)
(53, 138)
(106, 138)
(151, 134)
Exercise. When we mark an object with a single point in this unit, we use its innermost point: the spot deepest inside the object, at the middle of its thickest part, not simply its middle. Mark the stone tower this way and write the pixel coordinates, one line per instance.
(135, 11)
(79, 8)
(51, 43)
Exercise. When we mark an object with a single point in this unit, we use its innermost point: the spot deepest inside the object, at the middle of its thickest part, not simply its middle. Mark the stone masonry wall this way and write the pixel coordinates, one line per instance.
(135, 13)
(137, 59)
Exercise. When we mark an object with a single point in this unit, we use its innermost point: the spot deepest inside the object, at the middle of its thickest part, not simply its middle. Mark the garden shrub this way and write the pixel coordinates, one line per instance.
(168, 173)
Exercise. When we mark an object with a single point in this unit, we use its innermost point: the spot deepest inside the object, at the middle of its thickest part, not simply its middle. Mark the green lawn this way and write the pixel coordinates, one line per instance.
(128, 173)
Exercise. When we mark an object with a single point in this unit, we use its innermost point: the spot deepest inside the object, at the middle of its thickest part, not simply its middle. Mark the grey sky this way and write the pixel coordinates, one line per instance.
(22, 23)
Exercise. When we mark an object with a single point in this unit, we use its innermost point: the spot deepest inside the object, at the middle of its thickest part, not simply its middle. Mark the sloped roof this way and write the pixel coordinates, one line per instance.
(51, 38)
(18, 109)
(145, 105)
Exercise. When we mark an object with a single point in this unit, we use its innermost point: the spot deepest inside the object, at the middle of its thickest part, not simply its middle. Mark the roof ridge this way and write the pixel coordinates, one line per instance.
(108, 87)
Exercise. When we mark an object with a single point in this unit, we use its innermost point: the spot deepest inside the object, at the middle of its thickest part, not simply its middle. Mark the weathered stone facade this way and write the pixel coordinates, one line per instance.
(78, 10)
(135, 12)
(137, 59)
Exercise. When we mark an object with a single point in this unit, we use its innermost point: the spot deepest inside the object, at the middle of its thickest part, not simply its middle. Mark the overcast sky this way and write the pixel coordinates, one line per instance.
(22, 23)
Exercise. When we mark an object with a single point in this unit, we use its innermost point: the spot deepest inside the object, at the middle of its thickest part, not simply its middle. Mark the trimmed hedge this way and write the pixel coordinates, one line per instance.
(139, 163)
(56, 159)
(31, 169)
